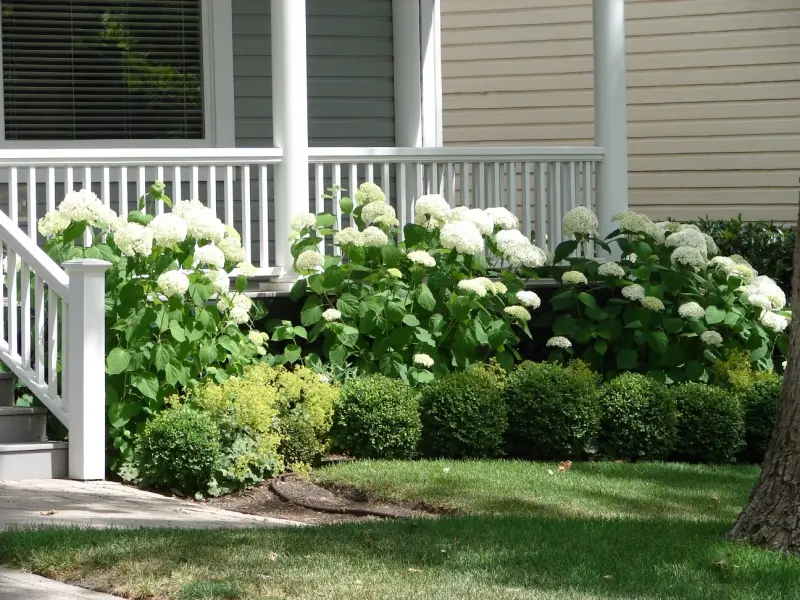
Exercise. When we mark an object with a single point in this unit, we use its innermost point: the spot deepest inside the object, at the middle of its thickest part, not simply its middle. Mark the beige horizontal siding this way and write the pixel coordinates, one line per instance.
(713, 93)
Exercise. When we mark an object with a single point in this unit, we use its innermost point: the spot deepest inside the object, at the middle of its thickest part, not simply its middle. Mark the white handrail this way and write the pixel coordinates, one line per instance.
(456, 154)
(113, 157)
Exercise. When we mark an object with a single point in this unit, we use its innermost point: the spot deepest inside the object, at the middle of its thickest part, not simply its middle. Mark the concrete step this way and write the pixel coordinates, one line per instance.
(20, 424)
(42, 460)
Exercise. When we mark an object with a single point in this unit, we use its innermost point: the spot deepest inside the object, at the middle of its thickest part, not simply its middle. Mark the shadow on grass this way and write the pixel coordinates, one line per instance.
(657, 558)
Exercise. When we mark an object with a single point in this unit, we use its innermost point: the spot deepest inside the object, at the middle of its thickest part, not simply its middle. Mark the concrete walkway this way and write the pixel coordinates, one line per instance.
(105, 504)
(23, 586)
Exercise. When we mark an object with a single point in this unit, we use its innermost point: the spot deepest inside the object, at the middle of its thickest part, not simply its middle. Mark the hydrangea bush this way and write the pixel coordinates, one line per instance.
(671, 307)
(439, 300)
(162, 333)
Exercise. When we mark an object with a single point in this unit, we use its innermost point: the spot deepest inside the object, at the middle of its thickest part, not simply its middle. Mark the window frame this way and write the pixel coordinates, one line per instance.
(218, 97)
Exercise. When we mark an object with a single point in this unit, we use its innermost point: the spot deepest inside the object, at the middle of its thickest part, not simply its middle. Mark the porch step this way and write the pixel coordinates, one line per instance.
(41, 460)
(20, 424)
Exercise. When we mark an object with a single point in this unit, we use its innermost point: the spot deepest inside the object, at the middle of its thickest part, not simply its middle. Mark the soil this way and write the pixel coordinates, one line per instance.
(263, 501)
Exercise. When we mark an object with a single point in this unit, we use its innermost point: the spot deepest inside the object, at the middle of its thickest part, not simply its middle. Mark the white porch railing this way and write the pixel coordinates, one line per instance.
(53, 341)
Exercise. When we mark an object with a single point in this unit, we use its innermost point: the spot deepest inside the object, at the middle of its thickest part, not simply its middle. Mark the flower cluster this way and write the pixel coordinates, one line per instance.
(711, 338)
(133, 239)
(463, 237)
(209, 256)
(688, 256)
(431, 211)
(202, 223)
(774, 321)
(574, 278)
(331, 315)
(633, 292)
(633, 222)
(529, 299)
(423, 360)
(349, 236)
(80, 207)
(374, 237)
(503, 218)
(611, 269)
(310, 260)
(420, 257)
(173, 283)
(168, 230)
(379, 213)
(652, 303)
(481, 286)
(369, 192)
(580, 223)
(518, 250)
(259, 339)
(520, 313)
(301, 222)
(691, 310)
(559, 341)
(237, 306)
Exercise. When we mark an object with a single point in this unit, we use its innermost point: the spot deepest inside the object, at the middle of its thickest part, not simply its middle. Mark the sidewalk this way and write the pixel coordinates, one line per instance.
(23, 586)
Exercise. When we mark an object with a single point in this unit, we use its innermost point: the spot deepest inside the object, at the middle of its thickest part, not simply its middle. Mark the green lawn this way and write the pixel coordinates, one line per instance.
(598, 531)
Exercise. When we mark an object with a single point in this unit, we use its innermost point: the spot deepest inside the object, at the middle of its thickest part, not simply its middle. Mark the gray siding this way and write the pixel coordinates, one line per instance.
(350, 70)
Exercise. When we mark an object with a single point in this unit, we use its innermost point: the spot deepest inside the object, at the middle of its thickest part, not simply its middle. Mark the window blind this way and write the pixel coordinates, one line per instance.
(102, 69)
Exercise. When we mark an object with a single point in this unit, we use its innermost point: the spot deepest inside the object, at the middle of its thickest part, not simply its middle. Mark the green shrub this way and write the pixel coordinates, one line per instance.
(760, 404)
(639, 419)
(464, 415)
(377, 417)
(554, 411)
(179, 450)
(710, 423)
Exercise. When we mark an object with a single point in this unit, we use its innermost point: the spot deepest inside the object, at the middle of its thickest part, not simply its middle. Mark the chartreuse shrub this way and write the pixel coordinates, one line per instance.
(553, 411)
(670, 308)
(163, 336)
(639, 419)
(464, 415)
(179, 450)
(445, 297)
(377, 417)
(710, 423)
(760, 402)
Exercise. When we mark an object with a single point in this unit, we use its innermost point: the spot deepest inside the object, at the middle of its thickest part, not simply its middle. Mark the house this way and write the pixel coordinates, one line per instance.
(256, 108)
(713, 94)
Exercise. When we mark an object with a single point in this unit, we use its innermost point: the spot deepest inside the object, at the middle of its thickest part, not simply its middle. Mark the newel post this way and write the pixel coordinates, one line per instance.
(84, 373)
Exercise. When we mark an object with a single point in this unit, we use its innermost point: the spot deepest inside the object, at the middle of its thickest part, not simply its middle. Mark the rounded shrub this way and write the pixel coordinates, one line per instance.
(638, 419)
(760, 405)
(179, 449)
(376, 417)
(553, 411)
(464, 415)
(710, 423)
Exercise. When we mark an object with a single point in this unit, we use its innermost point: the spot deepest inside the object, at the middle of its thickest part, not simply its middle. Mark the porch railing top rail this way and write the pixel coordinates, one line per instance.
(457, 154)
(135, 157)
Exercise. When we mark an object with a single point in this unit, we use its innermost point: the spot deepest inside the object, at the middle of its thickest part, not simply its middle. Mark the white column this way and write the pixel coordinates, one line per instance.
(84, 375)
(289, 119)
(610, 109)
(431, 70)
(407, 74)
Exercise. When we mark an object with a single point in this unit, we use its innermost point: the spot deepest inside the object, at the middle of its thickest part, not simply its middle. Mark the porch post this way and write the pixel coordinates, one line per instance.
(407, 74)
(610, 110)
(431, 67)
(289, 119)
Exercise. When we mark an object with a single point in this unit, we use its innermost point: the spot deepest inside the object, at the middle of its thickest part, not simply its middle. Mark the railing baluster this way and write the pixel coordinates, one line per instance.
(450, 184)
(70, 183)
(370, 172)
(497, 183)
(52, 345)
(39, 328)
(51, 189)
(573, 185)
(263, 216)
(13, 195)
(229, 195)
(246, 220)
(13, 301)
(195, 183)
(3, 287)
(212, 188)
(123, 192)
(159, 207)
(526, 200)
(177, 185)
(141, 188)
(32, 208)
(480, 184)
(540, 208)
(106, 186)
(402, 196)
(587, 186)
(433, 184)
(65, 360)
(87, 178)
(464, 184)
(319, 191)
(352, 182)
(337, 196)
(512, 187)
(25, 310)
(386, 181)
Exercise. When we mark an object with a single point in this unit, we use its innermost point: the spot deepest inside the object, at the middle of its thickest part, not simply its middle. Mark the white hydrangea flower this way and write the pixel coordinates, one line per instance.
(431, 211)
(652, 303)
(209, 255)
(774, 321)
(457, 214)
(173, 283)
(765, 286)
(85, 206)
(168, 230)
(349, 236)
(520, 313)
(507, 238)
(246, 269)
(476, 286)
(633, 292)
(237, 306)
(482, 221)
(300, 222)
(259, 338)
(691, 310)
(309, 260)
(688, 238)
(376, 211)
(688, 256)
(632, 222)
(711, 338)
(526, 255)
(529, 299)
(462, 236)
(374, 237)
(386, 221)
(746, 272)
(423, 360)
(760, 301)
(662, 228)
(610, 269)
(220, 281)
(332, 314)
(133, 239)
(740, 260)
(711, 245)
(580, 222)
(725, 264)
(232, 249)
(420, 257)
(201, 221)
(497, 288)
(396, 273)
(368, 192)
(53, 223)
(503, 218)
(631, 257)
(558, 341)
(574, 278)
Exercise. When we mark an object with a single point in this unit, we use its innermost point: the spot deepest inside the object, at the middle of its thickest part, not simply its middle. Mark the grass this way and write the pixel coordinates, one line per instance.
(599, 531)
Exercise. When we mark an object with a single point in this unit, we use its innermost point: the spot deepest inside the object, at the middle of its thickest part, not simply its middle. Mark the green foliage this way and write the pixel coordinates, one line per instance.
(377, 417)
(760, 403)
(554, 411)
(735, 371)
(765, 245)
(639, 419)
(464, 415)
(180, 450)
(710, 423)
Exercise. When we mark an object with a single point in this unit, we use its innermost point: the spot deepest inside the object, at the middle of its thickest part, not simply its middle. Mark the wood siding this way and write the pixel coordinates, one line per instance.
(713, 93)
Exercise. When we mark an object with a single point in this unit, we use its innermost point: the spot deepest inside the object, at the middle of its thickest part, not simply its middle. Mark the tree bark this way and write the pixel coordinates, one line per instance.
(772, 515)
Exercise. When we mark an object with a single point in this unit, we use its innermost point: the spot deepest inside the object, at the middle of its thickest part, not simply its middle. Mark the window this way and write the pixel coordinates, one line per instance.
(102, 70)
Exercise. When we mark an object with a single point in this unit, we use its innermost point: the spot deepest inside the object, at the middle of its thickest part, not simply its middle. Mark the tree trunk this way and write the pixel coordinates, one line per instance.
(772, 515)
